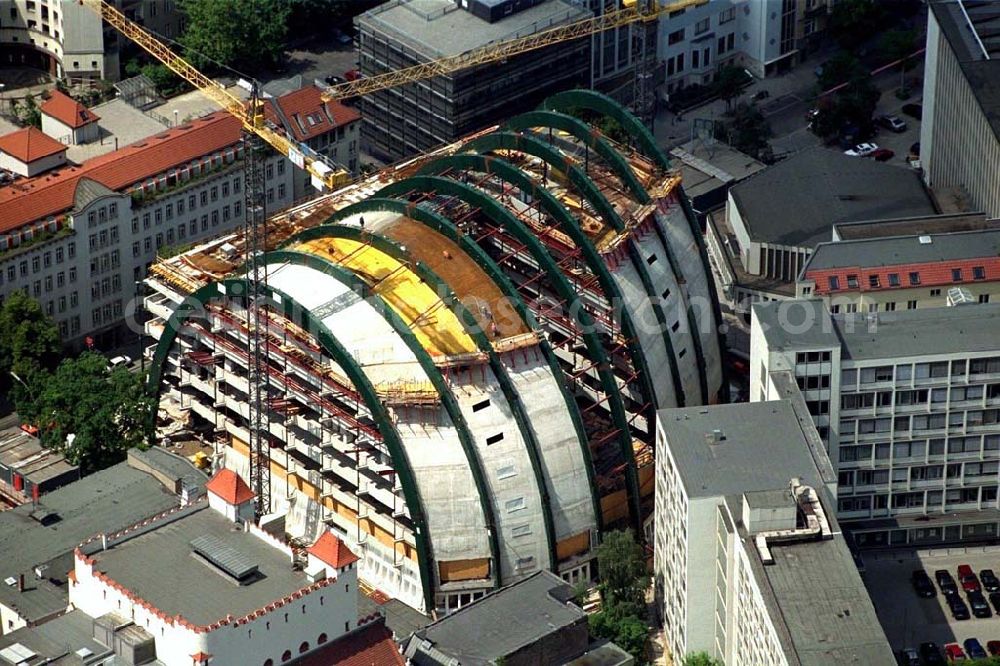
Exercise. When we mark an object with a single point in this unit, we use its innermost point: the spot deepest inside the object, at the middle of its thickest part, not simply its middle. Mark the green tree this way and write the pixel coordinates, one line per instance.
(899, 45)
(729, 84)
(702, 659)
(27, 111)
(248, 35)
(622, 564)
(89, 413)
(747, 131)
(29, 343)
(841, 68)
(853, 21)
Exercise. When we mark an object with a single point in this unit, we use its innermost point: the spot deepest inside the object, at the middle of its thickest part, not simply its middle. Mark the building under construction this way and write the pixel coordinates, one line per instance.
(465, 352)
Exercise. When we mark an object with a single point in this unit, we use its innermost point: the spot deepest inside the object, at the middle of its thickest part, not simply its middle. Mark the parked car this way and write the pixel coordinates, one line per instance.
(954, 652)
(341, 36)
(353, 74)
(333, 80)
(931, 654)
(967, 577)
(995, 600)
(974, 648)
(759, 95)
(989, 580)
(946, 582)
(862, 150)
(958, 609)
(908, 657)
(913, 110)
(980, 607)
(892, 123)
(993, 647)
(883, 155)
(120, 360)
(922, 584)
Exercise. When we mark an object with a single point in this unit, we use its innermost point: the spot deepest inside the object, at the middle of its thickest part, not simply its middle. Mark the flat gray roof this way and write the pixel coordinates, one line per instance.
(806, 324)
(968, 39)
(436, 28)
(26, 456)
(106, 501)
(945, 223)
(753, 432)
(58, 640)
(159, 566)
(797, 201)
(820, 598)
(504, 620)
(706, 167)
(897, 250)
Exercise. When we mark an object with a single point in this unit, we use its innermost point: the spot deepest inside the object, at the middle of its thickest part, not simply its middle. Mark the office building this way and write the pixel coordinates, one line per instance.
(749, 562)
(774, 220)
(449, 359)
(960, 132)
(907, 402)
(413, 118)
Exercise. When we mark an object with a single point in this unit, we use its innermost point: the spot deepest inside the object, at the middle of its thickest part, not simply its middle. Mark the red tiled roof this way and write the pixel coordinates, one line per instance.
(228, 485)
(33, 199)
(29, 144)
(371, 645)
(67, 110)
(332, 550)
(932, 274)
(306, 113)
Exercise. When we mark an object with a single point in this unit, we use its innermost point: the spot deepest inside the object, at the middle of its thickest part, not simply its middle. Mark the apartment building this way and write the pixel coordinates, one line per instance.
(908, 404)
(742, 548)
(765, 37)
(78, 238)
(896, 272)
(960, 133)
(413, 118)
(774, 220)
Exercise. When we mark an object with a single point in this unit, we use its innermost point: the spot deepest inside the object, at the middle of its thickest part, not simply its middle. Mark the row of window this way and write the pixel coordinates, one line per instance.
(986, 446)
(905, 372)
(39, 262)
(918, 499)
(874, 280)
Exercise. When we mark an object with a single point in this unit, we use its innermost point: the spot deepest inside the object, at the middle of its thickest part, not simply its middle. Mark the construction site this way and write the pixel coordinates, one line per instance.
(463, 353)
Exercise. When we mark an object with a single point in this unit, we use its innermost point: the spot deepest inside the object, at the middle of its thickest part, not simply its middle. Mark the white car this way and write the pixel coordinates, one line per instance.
(120, 360)
(862, 150)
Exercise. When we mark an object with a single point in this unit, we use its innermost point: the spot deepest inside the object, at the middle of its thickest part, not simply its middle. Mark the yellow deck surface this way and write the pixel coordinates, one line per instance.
(417, 304)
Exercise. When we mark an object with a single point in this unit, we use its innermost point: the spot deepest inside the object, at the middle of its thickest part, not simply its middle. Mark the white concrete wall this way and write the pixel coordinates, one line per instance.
(28, 169)
(749, 251)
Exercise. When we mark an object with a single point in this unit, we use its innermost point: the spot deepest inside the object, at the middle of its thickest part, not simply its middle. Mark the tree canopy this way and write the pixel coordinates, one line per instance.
(89, 413)
(852, 21)
(747, 131)
(701, 659)
(247, 35)
(624, 580)
(29, 342)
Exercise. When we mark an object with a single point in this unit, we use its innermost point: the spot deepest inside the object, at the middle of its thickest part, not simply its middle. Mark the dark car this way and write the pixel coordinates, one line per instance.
(931, 654)
(913, 110)
(922, 584)
(883, 155)
(958, 609)
(995, 600)
(334, 80)
(908, 657)
(946, 582)
(993, 647)
(980, 607)
(974, 648)
(989, 580)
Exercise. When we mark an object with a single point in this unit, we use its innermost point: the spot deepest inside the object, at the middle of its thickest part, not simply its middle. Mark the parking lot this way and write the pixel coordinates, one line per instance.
(909, 620)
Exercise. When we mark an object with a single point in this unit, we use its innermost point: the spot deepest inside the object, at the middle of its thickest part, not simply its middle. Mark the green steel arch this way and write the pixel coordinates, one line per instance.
(361, 288)
(502, 217)
(595, 101)
(329, 229)
(568, 224)
(302, 317)
(442, 225)
(586, 187)
(590, 137)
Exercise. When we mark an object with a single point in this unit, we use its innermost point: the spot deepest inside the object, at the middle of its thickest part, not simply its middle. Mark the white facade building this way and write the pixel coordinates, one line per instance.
(78, 239)
(909, 405)
(201, 592)
(740, 546)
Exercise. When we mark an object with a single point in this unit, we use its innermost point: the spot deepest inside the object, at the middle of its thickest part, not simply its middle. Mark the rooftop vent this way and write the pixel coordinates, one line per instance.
(17, 654)
(715, 437)
(225, 558)
(926, 240)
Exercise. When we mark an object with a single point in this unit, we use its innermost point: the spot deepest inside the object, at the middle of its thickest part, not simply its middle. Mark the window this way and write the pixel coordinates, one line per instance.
(676, 37)
(680, 63)
(727, 16)
(720, 47)
(281, 190)
(911, 305)
(852, 281)
(514, 505)
(481, 405)
(834, 282)
(978, 273)
(701, 26)
(493, 439)
(873, 281)
(914, 278)
(984, 298)
(694, 59)
(956, 275)
(890, 306)
(935, 292)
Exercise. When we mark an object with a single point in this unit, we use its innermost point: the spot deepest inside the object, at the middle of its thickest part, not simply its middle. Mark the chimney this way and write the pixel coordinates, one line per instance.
(104, 541)
(20, 582)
